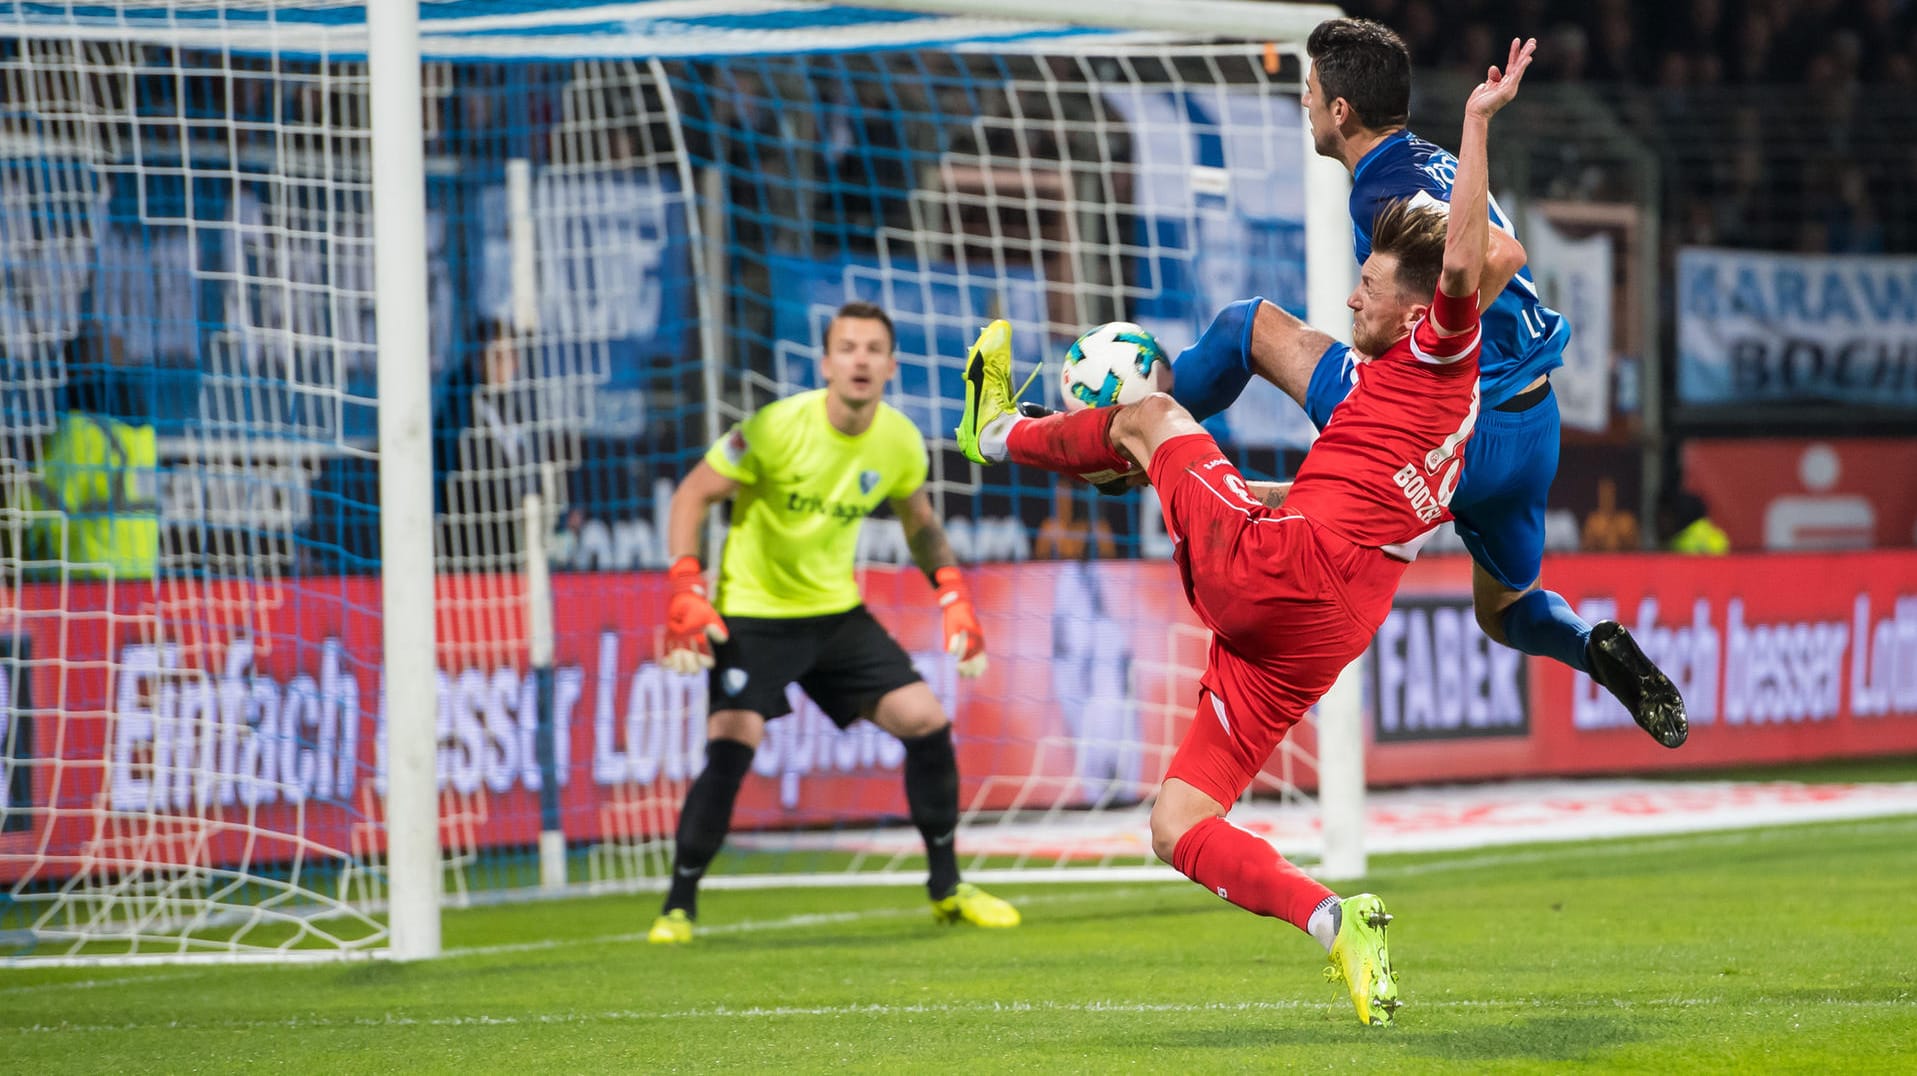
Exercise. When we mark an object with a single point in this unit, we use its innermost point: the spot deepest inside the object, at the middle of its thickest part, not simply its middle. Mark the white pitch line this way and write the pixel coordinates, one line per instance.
(1628, 846)
(796, 922)
(94, 984)
(1613, 847)
(997, 1008)
(1616, 847)
(749, 926)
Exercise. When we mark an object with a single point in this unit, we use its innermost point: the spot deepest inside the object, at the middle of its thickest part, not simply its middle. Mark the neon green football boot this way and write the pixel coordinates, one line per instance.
(1358, 956)
(988, 386)
(672, 928)
(970, 904)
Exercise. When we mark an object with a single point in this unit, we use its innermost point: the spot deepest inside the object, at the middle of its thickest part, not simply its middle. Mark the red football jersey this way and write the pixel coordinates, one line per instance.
(1383, 471)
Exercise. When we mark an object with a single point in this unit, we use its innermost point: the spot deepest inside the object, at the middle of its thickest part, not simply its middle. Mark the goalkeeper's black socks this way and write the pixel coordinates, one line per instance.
(704, 820)
(931, 795)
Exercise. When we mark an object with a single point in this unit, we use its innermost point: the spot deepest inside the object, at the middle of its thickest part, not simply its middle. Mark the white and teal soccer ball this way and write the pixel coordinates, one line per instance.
(1116, 363)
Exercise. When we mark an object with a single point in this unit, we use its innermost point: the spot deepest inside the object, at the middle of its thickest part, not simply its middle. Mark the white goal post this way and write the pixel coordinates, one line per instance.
(351, 350)
(405, 475)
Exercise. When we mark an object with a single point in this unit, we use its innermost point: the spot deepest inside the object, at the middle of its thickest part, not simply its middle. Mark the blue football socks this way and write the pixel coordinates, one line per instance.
(1542, 623)
(1210, 374)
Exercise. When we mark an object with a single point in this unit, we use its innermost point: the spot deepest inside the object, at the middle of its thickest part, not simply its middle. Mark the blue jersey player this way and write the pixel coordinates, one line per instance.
(1357, 98)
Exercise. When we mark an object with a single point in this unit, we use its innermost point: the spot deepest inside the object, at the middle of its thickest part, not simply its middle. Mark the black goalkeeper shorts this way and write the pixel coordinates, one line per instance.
(846, 662)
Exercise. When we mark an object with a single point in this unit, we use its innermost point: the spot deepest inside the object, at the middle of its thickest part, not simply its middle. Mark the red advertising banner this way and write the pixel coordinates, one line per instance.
(1780, 658)
(170, 727)
(1777, 494)
(141, 729)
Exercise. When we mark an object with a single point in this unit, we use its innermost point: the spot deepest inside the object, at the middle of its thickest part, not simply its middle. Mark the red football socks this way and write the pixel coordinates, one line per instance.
(1070, 442)
(1246, 870)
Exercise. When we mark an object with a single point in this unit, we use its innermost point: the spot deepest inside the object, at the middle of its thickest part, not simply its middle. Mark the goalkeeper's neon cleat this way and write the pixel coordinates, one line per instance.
(672, 928)
(988, 386)
(1623, 669)
(1358, 956)
(970, 904)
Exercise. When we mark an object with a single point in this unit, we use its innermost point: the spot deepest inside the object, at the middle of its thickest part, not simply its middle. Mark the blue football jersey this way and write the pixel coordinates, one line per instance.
(1522, 337)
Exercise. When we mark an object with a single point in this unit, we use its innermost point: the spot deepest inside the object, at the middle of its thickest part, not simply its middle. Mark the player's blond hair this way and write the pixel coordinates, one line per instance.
(1414, 235)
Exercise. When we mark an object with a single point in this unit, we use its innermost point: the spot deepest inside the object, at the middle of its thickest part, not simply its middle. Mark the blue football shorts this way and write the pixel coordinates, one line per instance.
(1508, 467)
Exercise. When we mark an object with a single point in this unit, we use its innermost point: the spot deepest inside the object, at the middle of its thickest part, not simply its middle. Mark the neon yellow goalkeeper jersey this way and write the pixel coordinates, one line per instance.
(804, 488)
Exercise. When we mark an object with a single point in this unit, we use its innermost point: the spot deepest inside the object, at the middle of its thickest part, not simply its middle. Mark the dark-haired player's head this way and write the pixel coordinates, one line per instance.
(1360, 82)
(1397, 281)
(858, 357)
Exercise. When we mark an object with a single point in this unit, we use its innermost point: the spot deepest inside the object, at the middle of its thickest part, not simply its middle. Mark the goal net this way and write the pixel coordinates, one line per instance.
(639, 217)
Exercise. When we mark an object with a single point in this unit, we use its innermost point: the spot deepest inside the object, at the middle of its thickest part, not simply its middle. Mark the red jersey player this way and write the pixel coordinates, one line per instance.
(1293, 586)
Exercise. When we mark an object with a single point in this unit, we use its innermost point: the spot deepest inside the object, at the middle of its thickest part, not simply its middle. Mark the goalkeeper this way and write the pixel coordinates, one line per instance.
(802, 473)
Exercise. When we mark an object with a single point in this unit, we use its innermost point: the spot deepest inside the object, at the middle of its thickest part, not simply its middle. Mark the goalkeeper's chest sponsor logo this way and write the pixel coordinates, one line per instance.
(1436, 676)
(842, 511)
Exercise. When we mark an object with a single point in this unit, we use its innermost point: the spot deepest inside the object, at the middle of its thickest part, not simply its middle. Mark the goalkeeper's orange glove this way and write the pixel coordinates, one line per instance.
(964, 639)
(692, 624)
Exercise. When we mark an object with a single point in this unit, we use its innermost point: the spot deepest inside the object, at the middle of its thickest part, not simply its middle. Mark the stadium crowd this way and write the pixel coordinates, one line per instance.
(1781, 124)
(1695, 43)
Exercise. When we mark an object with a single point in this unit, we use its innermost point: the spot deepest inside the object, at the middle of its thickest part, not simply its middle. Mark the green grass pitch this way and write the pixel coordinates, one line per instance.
(1789, 949)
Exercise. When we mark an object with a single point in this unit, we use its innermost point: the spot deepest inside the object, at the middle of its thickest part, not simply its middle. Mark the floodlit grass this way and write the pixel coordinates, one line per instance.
(1876, 769)
(1790, 949)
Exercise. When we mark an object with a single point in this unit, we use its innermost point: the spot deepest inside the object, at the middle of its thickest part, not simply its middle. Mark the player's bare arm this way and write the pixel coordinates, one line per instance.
(1468, 226)
(1504, 256)
(924, 534)
(693, 626)
(1270, 494)
(701, 488)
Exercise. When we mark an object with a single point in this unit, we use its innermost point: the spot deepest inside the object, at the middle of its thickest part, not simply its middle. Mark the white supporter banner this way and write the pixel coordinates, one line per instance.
(1220, 197)
(51, 208)
(1574, 278)
(1762, 328)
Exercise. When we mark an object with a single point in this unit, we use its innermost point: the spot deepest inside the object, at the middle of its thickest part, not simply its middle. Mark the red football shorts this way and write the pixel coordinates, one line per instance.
(1289, 604)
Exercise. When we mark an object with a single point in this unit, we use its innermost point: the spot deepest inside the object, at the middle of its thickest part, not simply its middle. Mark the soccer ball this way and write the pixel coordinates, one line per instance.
(1116, 363)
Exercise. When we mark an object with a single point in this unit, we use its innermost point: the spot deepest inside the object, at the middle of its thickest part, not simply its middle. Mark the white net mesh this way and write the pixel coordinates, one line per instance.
(192, 340)
(625, 255)
(1150, 181)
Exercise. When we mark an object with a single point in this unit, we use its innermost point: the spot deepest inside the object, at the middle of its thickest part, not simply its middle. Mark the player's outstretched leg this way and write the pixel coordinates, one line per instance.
(1213, 372)
(992, 429)
(1542, 623)
(1360, 958)
(989, 402)
(1112, 487)
(1622, 668)
(1190, 832)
